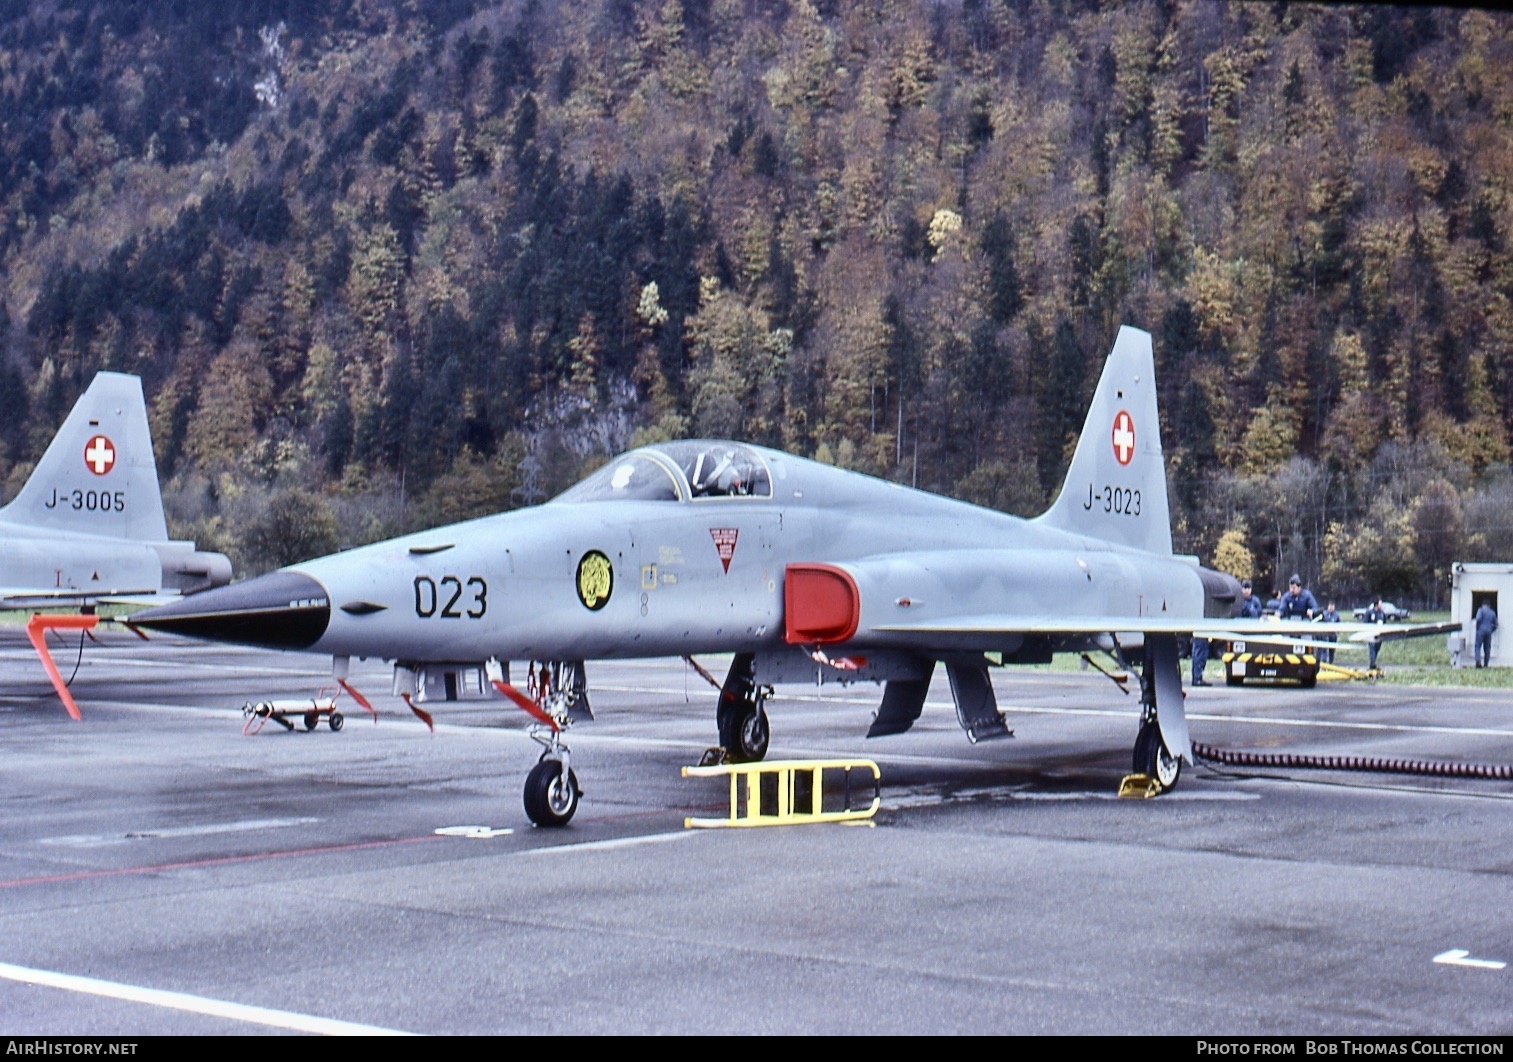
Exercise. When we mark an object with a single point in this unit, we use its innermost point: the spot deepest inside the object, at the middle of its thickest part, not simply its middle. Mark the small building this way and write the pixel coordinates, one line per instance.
(1470, 586)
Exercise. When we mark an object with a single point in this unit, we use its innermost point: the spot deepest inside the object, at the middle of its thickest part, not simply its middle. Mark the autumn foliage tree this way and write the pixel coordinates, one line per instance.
(365, 250)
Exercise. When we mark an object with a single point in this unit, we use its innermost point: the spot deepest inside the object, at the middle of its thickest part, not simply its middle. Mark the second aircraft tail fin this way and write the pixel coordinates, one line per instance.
(99, 475)
(1115, 489)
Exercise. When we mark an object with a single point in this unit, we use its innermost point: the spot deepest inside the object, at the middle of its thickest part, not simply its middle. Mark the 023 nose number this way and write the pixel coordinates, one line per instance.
(451, 597)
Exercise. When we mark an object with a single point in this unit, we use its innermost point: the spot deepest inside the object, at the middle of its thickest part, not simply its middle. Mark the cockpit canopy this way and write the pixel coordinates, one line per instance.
(674, 471)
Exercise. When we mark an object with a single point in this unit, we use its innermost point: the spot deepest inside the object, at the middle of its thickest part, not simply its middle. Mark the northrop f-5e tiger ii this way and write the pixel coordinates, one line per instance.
(801, 570)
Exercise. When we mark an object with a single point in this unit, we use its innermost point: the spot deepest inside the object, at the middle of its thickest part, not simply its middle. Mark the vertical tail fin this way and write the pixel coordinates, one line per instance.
(99, 476)
(1115, 489)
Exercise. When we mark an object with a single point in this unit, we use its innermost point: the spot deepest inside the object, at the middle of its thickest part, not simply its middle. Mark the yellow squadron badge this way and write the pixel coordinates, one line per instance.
(596, 580)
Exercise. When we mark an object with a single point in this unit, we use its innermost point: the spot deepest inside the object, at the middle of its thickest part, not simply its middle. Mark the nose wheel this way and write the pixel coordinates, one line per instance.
(551, 793)
(551, 789)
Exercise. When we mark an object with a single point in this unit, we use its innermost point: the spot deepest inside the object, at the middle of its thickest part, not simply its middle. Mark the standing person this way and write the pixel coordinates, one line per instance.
(1298, 602)
(1329, 615)
(1250, 605)
(1200, 660)
(1274, 604)
(1375, 614)
(1486, 623)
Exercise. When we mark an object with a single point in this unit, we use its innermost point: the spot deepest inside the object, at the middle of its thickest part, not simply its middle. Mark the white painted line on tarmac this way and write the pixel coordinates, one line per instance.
(1462, 957)
(221, 666)
(606, 846)
(214, 1008)
(1413, 728)
(149, 834)
(476, 833)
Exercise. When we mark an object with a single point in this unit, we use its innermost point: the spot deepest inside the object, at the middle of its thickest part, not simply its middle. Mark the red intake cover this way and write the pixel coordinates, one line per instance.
(820, 604)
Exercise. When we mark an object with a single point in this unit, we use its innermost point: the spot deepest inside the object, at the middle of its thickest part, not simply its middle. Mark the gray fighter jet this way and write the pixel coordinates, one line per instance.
(88, 525)
(805, 572)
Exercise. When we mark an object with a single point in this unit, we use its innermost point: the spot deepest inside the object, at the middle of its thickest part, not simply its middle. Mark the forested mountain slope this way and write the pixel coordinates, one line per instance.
(384, 264)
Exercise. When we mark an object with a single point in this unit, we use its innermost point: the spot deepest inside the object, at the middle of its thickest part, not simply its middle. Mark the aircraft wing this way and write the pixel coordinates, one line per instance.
(33, 598)
(1396, 631)
(1259, 631)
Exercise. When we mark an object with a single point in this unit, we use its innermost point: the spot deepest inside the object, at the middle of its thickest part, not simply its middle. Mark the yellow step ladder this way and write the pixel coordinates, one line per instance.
(791, 792)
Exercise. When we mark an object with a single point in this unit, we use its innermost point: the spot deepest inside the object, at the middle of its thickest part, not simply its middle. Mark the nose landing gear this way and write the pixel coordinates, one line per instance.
(551, 789)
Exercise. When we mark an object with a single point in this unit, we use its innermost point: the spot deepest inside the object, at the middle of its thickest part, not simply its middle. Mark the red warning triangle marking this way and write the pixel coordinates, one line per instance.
(724, 543)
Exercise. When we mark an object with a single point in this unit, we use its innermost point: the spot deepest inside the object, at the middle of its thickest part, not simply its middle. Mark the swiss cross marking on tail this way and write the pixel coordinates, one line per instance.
(99, 455)
(724, 543)
(1124, 437)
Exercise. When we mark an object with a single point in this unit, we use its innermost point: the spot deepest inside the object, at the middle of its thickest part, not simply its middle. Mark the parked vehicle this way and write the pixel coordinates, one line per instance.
(1394, 614)
(1271, 667)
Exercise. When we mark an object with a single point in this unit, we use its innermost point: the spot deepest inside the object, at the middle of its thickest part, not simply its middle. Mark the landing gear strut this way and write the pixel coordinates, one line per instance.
(1152, 758)
(741, 715)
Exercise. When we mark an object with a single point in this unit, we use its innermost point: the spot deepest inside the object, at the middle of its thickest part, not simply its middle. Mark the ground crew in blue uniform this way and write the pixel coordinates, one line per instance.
(1298, 602)
(1375, 614)
(1250, 605)
(1486, 623)
(1329, 615)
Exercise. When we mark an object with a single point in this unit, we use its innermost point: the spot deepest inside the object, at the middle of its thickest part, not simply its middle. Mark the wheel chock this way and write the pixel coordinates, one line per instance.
(1138, 787)
(713, 757)
(790, 792)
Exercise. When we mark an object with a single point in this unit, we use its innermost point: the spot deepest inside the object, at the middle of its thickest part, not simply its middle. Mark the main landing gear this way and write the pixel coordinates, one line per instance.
(742, 715)
(1152, 758)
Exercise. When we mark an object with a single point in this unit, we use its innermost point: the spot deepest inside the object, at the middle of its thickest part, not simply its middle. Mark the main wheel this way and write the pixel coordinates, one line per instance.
(312, 719)
(551, 795)
(751, 736)
(1152, 759)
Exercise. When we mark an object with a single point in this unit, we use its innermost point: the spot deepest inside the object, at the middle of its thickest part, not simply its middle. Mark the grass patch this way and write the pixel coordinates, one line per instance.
(1490, 678)
(1426, 662)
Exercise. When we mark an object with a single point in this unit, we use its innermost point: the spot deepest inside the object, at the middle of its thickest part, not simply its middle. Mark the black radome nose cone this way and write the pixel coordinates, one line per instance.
(281, 610)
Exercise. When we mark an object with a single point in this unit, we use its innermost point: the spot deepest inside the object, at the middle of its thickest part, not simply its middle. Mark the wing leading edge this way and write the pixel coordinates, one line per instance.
(1261, 631)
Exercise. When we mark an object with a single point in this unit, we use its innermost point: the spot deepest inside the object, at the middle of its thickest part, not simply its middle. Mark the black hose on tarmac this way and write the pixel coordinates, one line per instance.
(1437, 768)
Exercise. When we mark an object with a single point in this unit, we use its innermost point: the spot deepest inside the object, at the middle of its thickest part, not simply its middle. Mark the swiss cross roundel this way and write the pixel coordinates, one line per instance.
(1124, 437)
(99, 455)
